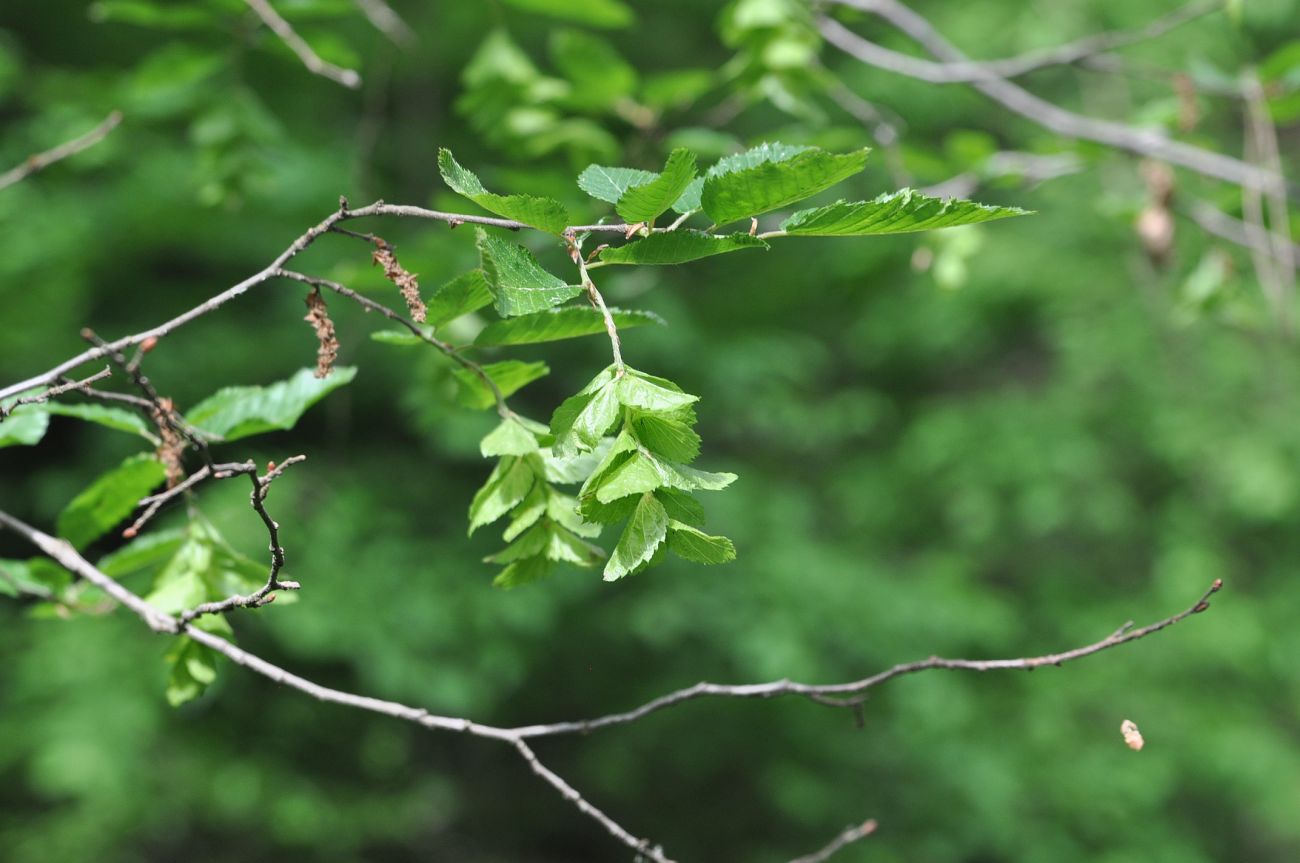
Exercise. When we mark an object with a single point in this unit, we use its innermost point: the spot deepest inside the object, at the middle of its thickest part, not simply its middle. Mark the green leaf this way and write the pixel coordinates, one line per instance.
(681, 506)
(647, 201)
(599, 74)
(608, 184)
(527, 513)
(508, 438)
(568, 548)
(649, 393)
(510, 482)
(119, 419)
(582, 420)
(510, 376)
(523, 572)
(766, 186)
(109, 499)
(591, 13)
(691, 544)
(144, 552)
(532, 543)
(24, 427)
(519, 283)
(542, 213)
(563, 510)
(636, 475)
(39, 577)
(689, 479)
(645, 530)
(678, 247)
(238, 412)
(466, 293)
(405, 338)
(895, 213)
(553, 325)
(192, 668)
(667, 436)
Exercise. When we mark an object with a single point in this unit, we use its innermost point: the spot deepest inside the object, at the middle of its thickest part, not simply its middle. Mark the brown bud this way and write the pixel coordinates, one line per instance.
(1218, 585)
(148, 344)
(129, 533)
(270, 466)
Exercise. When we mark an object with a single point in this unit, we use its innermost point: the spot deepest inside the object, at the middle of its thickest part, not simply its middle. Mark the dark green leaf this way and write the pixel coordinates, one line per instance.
(766, 186)
(556, 324)
(542, 213)
(590, 13)
(519, 283)
(895, 213)
(509, 375)
(237, 412)
(466, 293)
(109, 417)
(678, 247)
(645, 530)
(523, 572)
(681, 506)
(667, 436)
(646, 201)
(109, 499)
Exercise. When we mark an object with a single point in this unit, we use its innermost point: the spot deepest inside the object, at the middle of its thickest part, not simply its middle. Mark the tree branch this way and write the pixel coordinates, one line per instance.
(848, 837)
(83, 385)
(1118, 135)
(386, 21)
(40, 161)
(347, 77)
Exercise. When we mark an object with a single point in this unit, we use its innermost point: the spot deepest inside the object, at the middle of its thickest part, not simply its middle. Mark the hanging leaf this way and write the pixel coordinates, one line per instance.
(509, 375)
(555, 324)
(238, 412)
(691, 544)
(678, 247)
(542, 213)
(466, 293)
(645, 530)
(118, 419)
(518, 282)
(895, 213)
(508, 484)
(25, 426)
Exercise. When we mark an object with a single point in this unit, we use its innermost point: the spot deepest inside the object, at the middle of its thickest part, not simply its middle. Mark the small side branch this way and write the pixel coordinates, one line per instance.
(386, 21)
(83, 385)
(281, 28)
(598, 303)
(848, 837)
(40, 161)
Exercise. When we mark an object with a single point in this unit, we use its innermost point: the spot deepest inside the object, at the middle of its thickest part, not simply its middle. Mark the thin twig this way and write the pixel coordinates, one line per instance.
(598, 302)
(857, 687)
(1277, 270)
(386, 21)
(848, 837)
(281, 28)
(39, 161)
(1118, 135)
(1213, 220)
(68, 557)
(83, 385)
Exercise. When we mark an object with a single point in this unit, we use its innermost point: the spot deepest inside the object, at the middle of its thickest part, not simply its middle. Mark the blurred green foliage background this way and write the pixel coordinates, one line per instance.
(993, 441)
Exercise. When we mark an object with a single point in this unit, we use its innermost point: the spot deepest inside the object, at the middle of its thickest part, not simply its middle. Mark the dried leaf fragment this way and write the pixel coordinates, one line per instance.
(1132, 737)
(405, 281)
(172, 446)
(319, 318)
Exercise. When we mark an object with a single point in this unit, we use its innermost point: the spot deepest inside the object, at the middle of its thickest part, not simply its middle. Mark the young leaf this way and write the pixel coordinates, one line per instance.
(647, 201)
(518, 282)
(109, 417)
(636, 475)
(895, 213)
(144, 552)
(192, 669)
(666, 436)
(582, 420)
(509, 483)
(109, 499)
(608, 183)
(542, 213)
(689, 479)
(681, 506)
(650, 393)
(752, 191)
(553, 325)
(691, 544)
(526, 514)
(645, 530)
(405, 338)
(508, 438)
(237, 412)
(565, 547)
(523, 572)
(24, 427)
(510, 376)
(466, 293)
(531, 543)
(678, 247)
